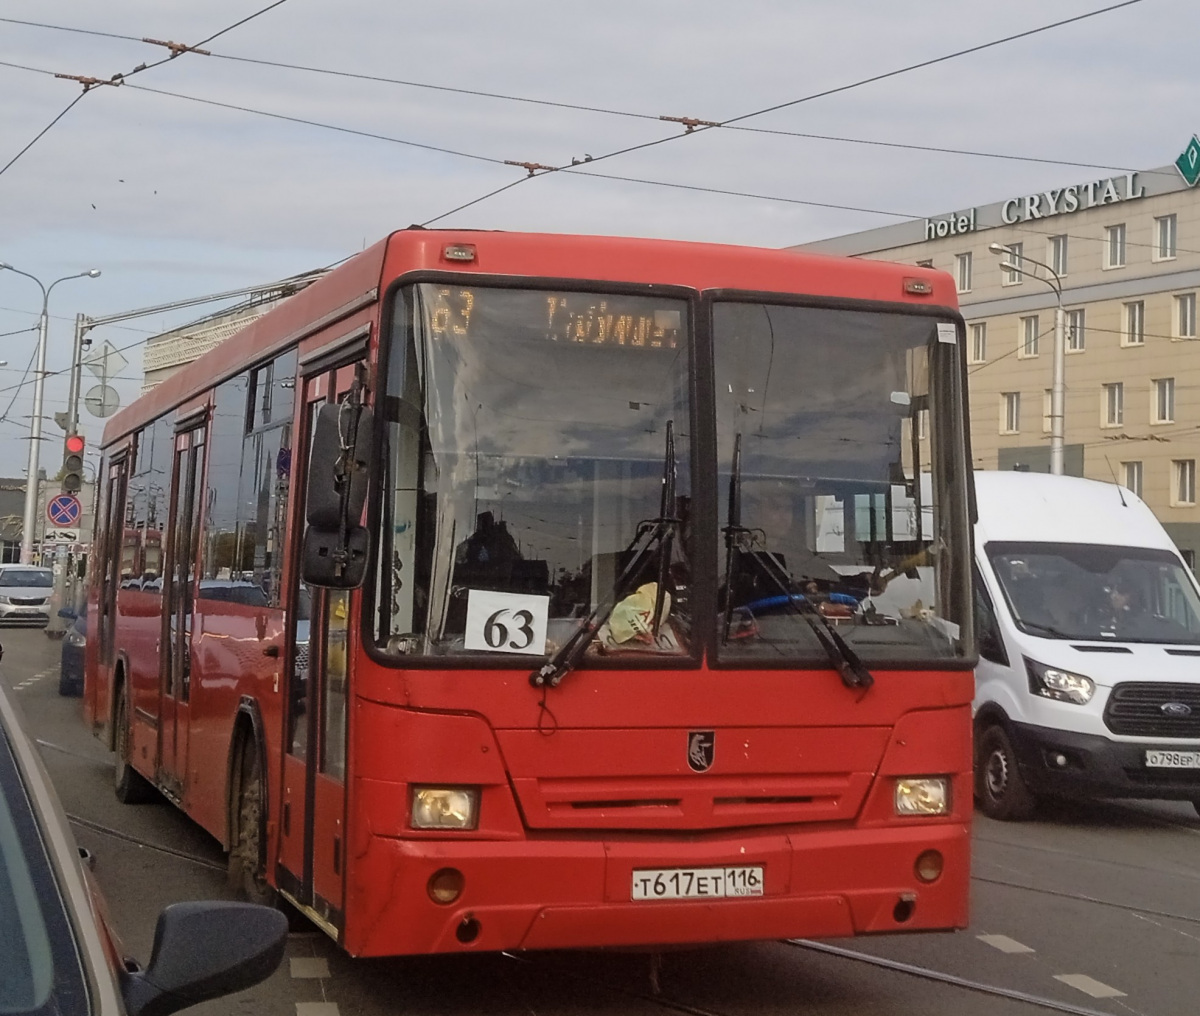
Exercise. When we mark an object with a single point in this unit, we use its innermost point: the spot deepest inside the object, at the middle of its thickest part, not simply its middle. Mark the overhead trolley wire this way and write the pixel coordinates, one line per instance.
(702, 127)
(90, 83)
(574, 107)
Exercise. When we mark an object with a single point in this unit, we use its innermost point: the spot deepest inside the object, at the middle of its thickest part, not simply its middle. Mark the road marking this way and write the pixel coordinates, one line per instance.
(1004, 943)
(309, 966)
(1089, 986)
(317, 1009)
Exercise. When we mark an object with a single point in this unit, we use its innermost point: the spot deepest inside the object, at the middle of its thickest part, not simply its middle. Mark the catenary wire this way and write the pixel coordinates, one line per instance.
(119, 78)
(583, 108)
(579, 107)
(822, 94)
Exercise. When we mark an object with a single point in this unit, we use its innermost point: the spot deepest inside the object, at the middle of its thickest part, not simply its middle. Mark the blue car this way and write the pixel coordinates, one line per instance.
(70, 675)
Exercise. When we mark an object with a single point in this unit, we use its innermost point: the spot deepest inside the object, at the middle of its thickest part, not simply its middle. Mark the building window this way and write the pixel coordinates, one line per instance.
(1047, 411)
(1185, 316)
(1014, 275)
(1114, 404)
(1029, 336)
(1164, 238)
(1010, 412)
(1133, 476)
(1189, 557)
(1058, 254)
(1075, 330)
(962, 272)
(1134, 333)
(979, 343)
(1114, 248)
(1164, 400)
(1183, 489)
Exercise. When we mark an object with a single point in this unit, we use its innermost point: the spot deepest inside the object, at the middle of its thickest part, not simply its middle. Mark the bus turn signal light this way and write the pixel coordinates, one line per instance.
(444, 808)
(922, 795)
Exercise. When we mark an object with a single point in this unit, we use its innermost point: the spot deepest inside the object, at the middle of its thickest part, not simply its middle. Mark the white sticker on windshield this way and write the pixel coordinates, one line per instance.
(506, 622)
(947, 628)
(947, 333)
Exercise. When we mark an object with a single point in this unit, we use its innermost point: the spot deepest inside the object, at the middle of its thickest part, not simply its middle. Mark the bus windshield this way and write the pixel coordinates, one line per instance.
(841, 481)
(530, 437)
(1088, 591)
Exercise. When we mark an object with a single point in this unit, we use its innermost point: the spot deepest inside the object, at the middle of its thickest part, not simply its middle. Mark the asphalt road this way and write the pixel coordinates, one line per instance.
(1090, 908)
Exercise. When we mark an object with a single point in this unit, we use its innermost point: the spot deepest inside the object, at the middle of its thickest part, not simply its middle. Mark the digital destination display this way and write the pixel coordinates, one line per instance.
(568, 318)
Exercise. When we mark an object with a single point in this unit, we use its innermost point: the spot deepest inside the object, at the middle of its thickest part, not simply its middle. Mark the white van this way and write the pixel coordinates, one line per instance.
(1088, 623)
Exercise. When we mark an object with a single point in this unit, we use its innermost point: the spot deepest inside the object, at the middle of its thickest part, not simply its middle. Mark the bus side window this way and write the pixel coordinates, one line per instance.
(991, 643)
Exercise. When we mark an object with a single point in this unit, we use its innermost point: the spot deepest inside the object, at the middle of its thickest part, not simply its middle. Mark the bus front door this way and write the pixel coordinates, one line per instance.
(312, 828)
(177, 611)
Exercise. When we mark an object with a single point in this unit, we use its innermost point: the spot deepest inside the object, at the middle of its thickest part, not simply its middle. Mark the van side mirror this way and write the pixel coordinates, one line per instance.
(991, 648)
(203, 950)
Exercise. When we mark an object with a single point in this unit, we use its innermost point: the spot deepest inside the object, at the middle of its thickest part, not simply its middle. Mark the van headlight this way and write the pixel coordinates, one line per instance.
(1060, 685)
(922, 795)
(444, 807)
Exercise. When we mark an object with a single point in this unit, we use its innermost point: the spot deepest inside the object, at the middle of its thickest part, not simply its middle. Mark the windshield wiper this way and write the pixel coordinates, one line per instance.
(653, 535)
(845, 661)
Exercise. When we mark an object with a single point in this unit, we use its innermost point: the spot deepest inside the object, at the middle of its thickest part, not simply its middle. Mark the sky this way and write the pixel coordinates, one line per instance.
(178, 184)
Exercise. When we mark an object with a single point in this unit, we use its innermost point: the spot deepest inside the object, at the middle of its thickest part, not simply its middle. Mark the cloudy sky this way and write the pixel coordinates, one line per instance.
(209, 173)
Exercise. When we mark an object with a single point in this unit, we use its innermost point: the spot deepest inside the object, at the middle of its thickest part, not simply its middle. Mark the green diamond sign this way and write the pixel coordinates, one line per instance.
(1188, 163)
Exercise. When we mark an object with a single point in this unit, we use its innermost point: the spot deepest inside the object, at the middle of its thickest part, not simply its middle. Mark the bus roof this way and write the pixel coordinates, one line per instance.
(620, 260)
(1040, 508)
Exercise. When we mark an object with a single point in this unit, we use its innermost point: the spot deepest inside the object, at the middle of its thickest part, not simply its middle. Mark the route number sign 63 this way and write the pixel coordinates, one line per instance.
(506, 622)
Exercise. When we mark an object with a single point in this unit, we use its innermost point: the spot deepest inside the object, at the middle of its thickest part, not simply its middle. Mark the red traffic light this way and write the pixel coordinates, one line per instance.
(75, 444)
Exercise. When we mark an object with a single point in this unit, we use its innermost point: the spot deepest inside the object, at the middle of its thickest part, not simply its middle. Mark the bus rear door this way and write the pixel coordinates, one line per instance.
(178, 610)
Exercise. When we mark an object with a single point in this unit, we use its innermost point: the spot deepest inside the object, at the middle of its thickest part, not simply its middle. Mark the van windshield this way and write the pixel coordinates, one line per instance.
(1102, 593)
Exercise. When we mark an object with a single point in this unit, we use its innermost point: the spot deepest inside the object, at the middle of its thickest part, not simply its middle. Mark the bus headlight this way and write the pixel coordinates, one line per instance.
(444, 808)
(1061, 685)
(922, 795)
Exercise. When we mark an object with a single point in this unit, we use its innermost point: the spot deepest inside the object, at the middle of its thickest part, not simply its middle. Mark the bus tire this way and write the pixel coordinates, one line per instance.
(999, 786)
(246, 873)
(131, 787)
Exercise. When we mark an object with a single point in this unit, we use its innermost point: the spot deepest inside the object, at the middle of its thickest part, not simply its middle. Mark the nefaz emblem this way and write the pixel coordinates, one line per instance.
(1176, 709)
(701, 745)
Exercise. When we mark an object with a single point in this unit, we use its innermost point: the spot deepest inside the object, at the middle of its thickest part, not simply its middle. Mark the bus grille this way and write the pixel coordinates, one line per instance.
(1136, 709)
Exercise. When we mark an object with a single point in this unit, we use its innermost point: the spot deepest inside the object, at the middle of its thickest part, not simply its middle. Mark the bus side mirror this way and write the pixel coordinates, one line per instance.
(337, 483)
(326, 561)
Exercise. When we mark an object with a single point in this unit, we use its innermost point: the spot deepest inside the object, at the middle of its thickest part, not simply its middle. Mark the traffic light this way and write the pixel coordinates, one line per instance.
(72, 471)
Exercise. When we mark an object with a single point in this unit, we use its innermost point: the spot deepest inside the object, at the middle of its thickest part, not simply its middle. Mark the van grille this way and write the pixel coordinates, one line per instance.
(1135, 709)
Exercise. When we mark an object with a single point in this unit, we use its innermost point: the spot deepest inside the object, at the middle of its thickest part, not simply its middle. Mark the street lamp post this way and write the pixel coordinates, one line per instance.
(35, 427)
(1057, 384)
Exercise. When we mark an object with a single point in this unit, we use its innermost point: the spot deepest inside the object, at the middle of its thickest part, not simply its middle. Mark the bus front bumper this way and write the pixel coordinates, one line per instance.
(574, 894)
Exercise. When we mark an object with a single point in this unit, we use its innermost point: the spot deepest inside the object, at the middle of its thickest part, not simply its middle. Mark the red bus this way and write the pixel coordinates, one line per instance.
(525, 591)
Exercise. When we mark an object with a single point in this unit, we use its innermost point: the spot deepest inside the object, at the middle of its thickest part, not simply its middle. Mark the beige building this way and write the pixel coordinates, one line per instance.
(1126, 247)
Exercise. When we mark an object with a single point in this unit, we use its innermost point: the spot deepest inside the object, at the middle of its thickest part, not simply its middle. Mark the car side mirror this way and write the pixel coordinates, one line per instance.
(203, 950)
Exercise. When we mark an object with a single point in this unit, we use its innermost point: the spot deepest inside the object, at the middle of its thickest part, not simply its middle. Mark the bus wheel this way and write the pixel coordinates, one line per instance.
(130, 785)
(246, 873)
(1001, 791)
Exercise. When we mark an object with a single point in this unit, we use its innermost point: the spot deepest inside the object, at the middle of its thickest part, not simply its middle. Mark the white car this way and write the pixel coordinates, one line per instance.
(25, 592)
